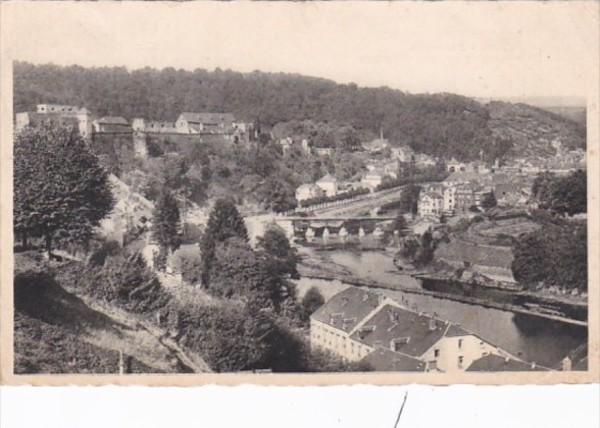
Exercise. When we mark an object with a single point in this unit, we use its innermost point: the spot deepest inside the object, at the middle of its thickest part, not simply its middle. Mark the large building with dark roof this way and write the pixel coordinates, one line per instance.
(205, 123)
(359, 325)
(497, 363)
(56, 115)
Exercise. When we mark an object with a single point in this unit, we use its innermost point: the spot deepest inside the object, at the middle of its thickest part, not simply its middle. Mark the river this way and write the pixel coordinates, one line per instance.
(531, 338)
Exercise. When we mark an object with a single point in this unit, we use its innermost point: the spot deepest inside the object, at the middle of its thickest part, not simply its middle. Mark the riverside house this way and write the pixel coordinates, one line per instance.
(359, 325)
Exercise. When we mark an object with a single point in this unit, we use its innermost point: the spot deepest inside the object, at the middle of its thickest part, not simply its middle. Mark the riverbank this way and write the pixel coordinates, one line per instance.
(321, 265)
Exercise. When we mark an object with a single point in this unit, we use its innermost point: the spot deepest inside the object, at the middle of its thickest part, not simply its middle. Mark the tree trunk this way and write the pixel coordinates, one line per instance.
(49, 245)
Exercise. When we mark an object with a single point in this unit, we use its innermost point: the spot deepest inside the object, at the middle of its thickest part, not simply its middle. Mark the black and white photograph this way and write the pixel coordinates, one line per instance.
(266, 190)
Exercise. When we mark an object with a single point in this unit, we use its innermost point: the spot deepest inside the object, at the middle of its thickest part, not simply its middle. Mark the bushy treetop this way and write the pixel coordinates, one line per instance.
(60, 189)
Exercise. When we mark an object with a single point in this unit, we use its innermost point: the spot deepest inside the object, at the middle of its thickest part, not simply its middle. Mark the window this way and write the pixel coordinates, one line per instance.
(460, 361)
(460, 342)
(436, 353)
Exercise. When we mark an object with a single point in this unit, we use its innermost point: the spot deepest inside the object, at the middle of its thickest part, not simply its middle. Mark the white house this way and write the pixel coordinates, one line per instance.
(454, 166)
(360, 325)
(323, 151)
(328, 184)
(430, 204)
(207, 123)
(372, 179)
(403, 154)
(308, 191)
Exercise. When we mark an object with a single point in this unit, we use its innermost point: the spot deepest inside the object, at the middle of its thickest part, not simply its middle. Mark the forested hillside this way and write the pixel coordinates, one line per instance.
(441, 124)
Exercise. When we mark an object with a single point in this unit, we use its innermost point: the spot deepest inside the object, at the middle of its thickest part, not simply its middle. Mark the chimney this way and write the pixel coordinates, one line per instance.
(533, 365)
(432, 324)
(567, 364)
(506, 359)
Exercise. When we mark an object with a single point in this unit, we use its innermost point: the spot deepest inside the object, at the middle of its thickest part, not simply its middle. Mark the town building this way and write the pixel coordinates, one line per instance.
(57, 115)
(359, 325)
(424, 161)
(403, 154)
(286, 144)
(153, 126)
(324, 151)
(430, 203)
(306, 146)
(497, 363)
(333, 323)
(328, 184)
(464, 198)
(308, 191)
(372, 179)
(494, 262)
(205, 123)
(455, 166)
(111, 125)
(377, 145)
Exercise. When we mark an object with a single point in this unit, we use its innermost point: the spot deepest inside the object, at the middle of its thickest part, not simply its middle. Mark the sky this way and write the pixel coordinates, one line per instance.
(477, 49)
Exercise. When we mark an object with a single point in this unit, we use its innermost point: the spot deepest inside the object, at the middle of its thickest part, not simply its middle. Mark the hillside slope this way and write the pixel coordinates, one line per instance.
(533, 130)
(439, 124)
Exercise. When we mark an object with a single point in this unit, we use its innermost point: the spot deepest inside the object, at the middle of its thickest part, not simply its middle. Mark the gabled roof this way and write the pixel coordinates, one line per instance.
(407, 149)
(113, 120)
(433, 195)
(308, 186)
(385, 360)
(347, 308)
(496, 363)
(377, 172)
(392, 322)
(477, 255)
(206, 117)
(328, 178)
(454, 330)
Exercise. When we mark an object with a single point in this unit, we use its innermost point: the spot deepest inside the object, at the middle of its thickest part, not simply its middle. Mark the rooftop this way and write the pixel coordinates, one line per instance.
(205, 117)
(384, 360)
(347, 308)
(414, 333)
(113, 120)
(484, 255)
(328, 178)
(496, 363)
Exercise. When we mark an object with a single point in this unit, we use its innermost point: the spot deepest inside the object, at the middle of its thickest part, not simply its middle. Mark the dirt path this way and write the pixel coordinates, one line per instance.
(120, 330)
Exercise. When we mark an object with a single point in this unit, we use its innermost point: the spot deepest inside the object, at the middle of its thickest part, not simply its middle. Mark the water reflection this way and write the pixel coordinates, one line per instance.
(532, 338)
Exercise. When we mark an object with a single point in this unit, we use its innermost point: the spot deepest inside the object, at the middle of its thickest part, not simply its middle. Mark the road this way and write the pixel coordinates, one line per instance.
(364, 206)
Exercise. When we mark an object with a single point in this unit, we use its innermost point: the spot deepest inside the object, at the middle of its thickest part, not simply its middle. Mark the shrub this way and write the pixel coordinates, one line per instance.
(188, 262)
(312, 300)
(123, 280)
(106, 249)
(229, 338)
(339, 197)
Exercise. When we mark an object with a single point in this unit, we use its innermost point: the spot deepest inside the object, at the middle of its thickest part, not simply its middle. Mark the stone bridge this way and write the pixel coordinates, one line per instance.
(328, 228)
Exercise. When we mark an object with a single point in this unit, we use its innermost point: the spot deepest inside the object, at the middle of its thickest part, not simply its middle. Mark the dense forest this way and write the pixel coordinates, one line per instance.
(439, 124)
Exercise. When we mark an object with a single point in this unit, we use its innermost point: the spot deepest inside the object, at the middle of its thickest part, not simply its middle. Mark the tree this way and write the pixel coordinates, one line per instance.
(409, 200)
(166, 222)
(562, 195)
(279, 253)
(60, 188)
(223, 223)
(530, 263)
(312, 300)
(424, 253)
(277, 195)
(555, 255)
(239, 272)
(488, 201)
(399, 223)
